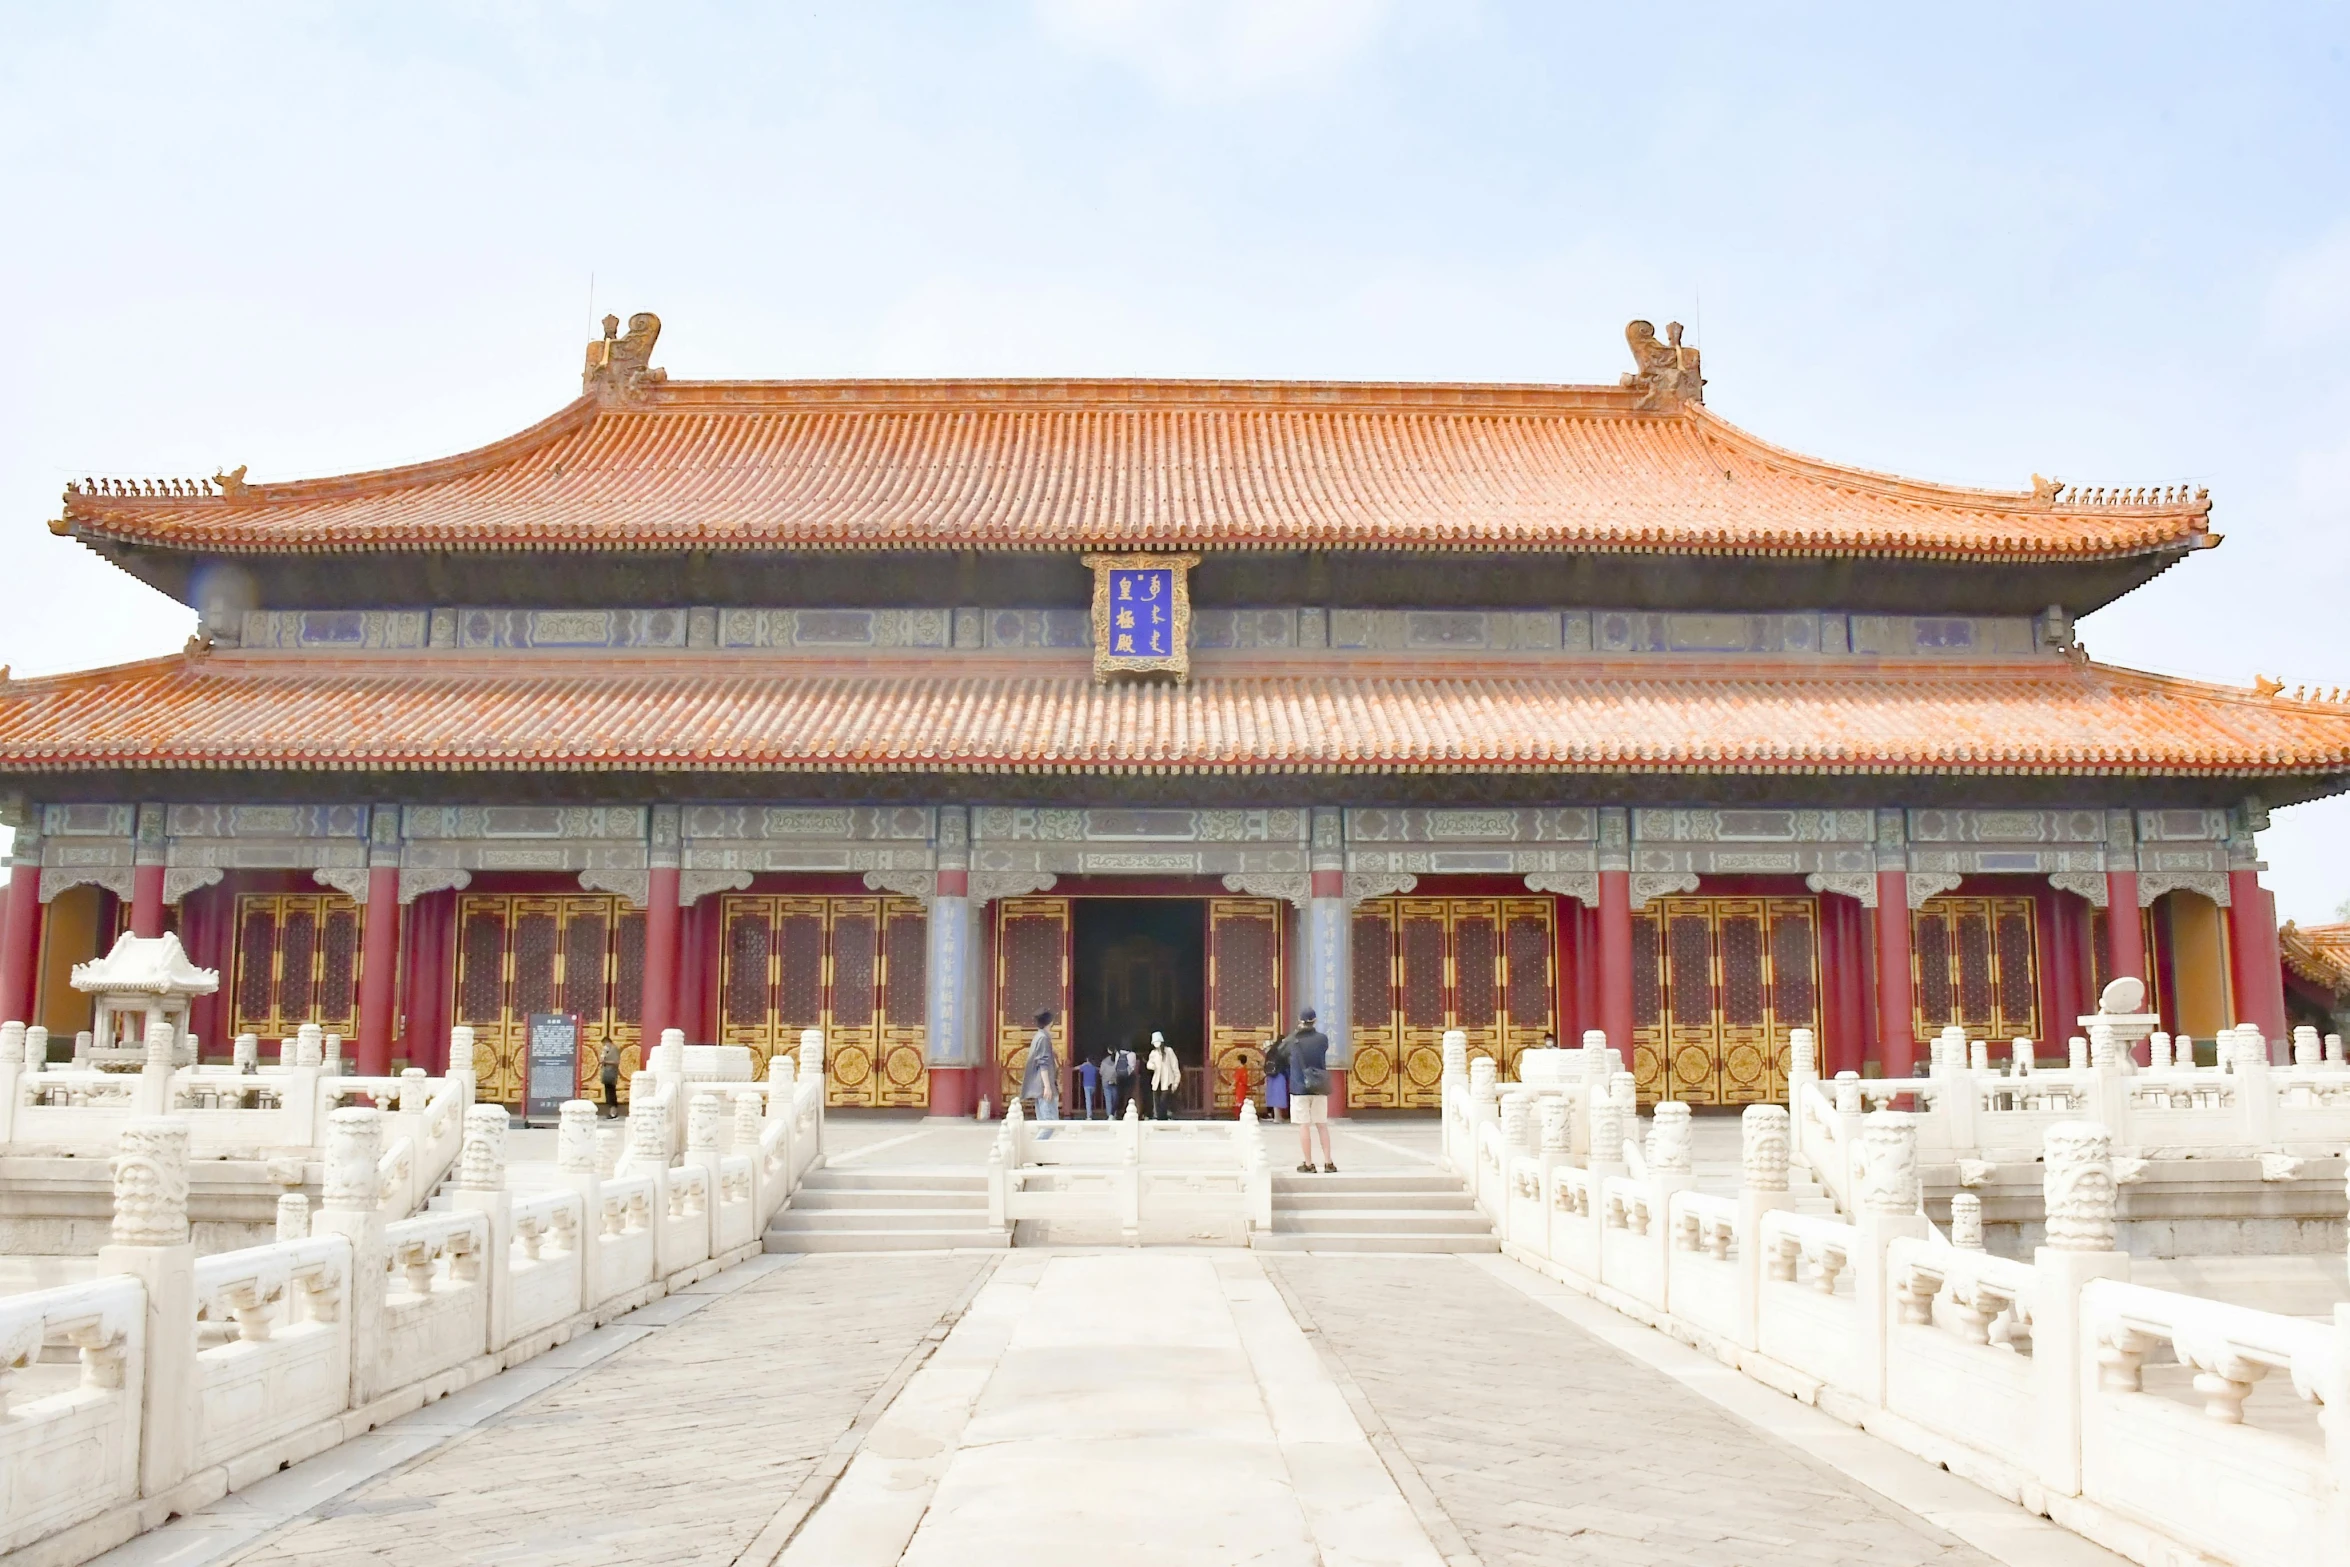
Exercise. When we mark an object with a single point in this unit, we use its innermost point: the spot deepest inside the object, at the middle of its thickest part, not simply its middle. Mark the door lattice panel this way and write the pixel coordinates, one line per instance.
(1974, 963)
(521, 953)
(1485, 966)
(1032, 976)
(1719, 985)
(853, 967)
(297, 962)
(1244, 990)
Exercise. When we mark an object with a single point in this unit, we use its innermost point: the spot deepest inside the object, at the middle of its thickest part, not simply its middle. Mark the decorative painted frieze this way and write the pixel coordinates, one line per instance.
(995, 824)
(1481, 860)
(1245, 628)
(587, 823)
(2211, 884)
(266, 821)
(1912, 636)
(2182, 826)
(1572, 824)
(818, 630)
(1435, 630)
(2008, 827)
(89, 821)
(335, 630)
(1649, 631)
(1732, 825)
(820, 823)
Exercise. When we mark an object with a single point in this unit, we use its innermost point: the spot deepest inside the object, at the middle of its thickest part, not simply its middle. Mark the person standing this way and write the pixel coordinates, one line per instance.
(1309, 1092)
(1040, 1079)
(608, 1070)
(1276, 1079)
(1089, 1077)
(1129, 1080)
(1166, 1077)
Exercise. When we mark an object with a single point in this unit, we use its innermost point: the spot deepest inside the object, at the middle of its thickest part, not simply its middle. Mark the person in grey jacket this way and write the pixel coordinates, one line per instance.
(1040, 1080)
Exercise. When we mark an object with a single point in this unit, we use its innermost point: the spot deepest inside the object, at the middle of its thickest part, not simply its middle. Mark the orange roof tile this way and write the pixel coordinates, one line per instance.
(1143, 464)
(958, 713)
(2320, 954)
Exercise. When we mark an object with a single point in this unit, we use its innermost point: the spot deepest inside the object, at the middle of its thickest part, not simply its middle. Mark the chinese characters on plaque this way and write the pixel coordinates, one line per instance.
(1141, 614)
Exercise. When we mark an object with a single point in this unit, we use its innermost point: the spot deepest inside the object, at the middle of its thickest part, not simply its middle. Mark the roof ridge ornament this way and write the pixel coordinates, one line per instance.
(1667, 372)
(619, 369)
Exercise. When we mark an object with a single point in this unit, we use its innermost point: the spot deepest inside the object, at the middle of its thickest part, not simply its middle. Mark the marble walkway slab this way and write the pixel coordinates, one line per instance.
(1144, 1408)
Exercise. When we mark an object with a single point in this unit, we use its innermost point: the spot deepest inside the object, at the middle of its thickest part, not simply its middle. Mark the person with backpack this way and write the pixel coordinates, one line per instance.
(1276, 1078)
(1309, 1094)
(1118, 1073)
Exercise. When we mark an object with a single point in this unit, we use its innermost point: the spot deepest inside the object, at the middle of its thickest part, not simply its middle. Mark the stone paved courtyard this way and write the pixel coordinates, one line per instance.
(1166, 1406)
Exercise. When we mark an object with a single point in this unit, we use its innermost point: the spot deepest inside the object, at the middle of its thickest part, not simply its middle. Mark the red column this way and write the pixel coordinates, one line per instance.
(147, 900)
(1615, 960)
(379, 966)
(20, 948)
(660, 955)
(1896, 1048)
(2124, 935)
(2258, 981)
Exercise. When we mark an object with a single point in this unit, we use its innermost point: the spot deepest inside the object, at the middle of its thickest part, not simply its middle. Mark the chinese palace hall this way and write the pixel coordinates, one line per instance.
(908, 709)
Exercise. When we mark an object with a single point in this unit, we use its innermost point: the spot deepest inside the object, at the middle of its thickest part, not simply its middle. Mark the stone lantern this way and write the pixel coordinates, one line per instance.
(145, 980)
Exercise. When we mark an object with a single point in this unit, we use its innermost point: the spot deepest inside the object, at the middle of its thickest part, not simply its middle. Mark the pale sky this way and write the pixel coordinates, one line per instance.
(2110, 244)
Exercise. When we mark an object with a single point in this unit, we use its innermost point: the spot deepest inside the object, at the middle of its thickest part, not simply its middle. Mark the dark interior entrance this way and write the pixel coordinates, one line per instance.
(1140, 964)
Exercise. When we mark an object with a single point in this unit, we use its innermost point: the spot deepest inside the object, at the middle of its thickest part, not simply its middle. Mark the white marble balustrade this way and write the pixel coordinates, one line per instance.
(2165, 1427)
(199, 1376)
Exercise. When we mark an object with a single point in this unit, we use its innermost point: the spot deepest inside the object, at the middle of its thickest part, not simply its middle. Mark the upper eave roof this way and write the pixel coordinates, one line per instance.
(939, 713)
(1141, 464)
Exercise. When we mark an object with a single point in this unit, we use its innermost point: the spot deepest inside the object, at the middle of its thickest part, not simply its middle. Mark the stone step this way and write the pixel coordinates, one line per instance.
(1306, 1199)
(1370, 1182)
(836, 1180)
(1390, 1242)
(887, 1240)
(887, 1197)
(1380, 1221)
(797, 1220)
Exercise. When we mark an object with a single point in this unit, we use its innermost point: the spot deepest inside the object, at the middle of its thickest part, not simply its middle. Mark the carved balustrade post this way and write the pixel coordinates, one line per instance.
(352, 1207)
(480, 1188)
(1966, 1222)
(2081, 1202)
(577, 1155)
(150, 1241)
(293, 1217)
(1886, 1207)
(1765, 1149)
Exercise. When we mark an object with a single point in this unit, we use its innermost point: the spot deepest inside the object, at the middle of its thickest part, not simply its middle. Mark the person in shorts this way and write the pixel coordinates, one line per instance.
(1309, 1092)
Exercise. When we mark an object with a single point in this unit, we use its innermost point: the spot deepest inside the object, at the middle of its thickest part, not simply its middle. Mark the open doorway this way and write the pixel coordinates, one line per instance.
(1140, 964)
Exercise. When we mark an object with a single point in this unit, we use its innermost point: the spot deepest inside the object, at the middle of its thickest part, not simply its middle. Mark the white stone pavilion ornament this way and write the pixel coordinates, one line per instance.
(1142, 615)
(144, 981)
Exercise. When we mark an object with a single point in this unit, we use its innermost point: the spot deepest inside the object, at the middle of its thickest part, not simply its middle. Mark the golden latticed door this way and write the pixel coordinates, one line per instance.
(1244, 990)
(1485, 966)
(1973, 962)
(1719, 985)
(1373, 1080)
(1032, 976)
(852, 968)
(902, 1067)
(297, 962)
(1421, 996)
(1529, 985)
(521, 953)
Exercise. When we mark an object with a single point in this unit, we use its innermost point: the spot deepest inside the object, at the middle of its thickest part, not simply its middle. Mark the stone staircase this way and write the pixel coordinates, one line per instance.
(886, 1209)
(1725, 1178)
(1375, 1211)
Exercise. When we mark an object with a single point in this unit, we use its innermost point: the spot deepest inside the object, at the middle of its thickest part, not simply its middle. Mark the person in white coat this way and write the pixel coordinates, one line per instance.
(1166, 1077)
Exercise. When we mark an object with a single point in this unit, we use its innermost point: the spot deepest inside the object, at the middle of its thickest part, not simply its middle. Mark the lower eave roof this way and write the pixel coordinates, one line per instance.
(956, 713)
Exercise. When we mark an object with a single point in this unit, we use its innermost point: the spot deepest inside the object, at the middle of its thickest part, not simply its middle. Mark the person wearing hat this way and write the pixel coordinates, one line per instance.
(1309, 1092)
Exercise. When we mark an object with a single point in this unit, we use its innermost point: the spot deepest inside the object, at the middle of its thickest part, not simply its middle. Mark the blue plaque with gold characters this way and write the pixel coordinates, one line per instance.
(1141, 615)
